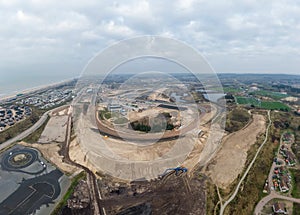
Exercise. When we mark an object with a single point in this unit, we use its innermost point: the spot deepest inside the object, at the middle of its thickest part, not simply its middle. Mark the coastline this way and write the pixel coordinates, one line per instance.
(4, 97)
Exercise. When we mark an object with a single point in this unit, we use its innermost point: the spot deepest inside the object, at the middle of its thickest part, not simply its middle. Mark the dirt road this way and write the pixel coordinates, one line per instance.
(268, 198)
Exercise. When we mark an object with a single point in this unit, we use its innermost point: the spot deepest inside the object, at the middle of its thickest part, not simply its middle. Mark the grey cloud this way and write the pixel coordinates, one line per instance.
(56, 32)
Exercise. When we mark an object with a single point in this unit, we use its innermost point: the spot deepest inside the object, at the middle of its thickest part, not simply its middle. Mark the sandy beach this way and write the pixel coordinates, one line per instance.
(4, 97)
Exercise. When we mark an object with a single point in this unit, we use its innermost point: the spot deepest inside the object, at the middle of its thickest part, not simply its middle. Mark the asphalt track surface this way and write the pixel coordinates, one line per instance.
(32, 194)
(7, 165)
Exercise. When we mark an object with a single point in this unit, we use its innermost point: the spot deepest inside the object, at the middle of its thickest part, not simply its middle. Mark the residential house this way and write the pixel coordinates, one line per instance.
(283, 186)
(279, 208)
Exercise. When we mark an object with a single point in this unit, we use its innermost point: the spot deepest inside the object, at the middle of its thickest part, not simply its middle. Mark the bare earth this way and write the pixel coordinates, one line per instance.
(50, 152)
(230, 159)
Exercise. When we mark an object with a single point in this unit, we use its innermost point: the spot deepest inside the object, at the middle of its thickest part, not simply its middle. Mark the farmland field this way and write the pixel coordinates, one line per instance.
(269, 105)
(247, 100)
(274, 106)
(270, 94)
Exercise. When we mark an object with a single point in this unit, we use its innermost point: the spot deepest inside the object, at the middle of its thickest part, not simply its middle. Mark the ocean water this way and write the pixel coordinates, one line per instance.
(12, 84)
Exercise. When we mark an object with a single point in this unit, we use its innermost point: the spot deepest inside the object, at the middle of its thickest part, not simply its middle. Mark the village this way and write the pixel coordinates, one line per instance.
(48, 99)
(280, 180)
(13, 114)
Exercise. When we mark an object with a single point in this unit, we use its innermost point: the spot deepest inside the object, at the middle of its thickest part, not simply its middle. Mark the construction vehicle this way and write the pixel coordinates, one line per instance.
(177, 170)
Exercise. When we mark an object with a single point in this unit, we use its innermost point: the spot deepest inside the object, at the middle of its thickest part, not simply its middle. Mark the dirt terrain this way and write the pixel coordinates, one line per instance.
(230, 159)
(170, 195)
(51, 153)
(79, 202)
(52, 140)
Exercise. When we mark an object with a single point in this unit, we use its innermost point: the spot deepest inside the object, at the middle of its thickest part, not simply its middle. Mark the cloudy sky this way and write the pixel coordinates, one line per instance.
(54, 36)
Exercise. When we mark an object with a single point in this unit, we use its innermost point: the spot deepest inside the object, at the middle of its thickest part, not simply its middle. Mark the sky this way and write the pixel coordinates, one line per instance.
(54, 37)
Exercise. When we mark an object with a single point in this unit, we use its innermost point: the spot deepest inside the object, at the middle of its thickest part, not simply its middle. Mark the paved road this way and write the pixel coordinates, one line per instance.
(26, 132)
(29, 131)
(273, 194)
(268, 198)
(223, 206)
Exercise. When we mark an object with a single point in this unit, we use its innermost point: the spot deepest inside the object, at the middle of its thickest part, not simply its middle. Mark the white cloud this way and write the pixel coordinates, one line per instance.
(239, 22)
(25, 18)
(185, 4)
(237, 29)
(119, 30)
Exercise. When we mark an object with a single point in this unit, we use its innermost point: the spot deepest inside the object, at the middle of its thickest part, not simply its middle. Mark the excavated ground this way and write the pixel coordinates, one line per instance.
(169, 195)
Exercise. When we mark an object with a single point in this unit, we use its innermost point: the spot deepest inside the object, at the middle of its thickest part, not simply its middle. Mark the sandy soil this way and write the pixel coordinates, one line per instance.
(210, 112)
(194, 157)
(230, 159)
(159, 95)
(290, 99)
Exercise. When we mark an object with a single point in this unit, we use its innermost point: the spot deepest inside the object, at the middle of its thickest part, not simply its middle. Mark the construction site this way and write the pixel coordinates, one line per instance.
(128, 171)
(131, 171)
(144, 172)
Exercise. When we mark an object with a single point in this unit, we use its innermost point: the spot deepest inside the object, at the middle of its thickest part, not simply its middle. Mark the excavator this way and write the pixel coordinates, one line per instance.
(178, 170)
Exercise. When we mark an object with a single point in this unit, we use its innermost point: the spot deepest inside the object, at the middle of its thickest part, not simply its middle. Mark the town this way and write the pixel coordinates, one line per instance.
(12, 115)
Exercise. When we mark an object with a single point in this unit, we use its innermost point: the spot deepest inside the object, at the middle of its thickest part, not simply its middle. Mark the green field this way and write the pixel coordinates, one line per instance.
(247, 101)
(269, 105)
(274, 106)
(270, 94)
(296, 183)
(231, 90)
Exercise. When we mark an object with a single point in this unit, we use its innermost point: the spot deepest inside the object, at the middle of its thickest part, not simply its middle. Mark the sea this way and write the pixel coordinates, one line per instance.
(12, 85)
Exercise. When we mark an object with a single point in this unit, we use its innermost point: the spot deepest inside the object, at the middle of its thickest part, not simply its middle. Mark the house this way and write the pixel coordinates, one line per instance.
(266, 187)
(114, 108)
(283, 186)
(290, 158)
(286, 179)
(282, 170)
(283, 150)
(279, 208)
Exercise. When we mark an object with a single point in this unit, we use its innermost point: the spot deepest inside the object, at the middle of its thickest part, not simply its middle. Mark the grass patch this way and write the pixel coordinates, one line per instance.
(211, 198)
(120, 120)
(237, 119)
(35, 136)
(231, 90)
(268, 105)
(295, 173)
(107, 115)
(270, 94)
(247, 100)
(274, 106)
(295, 127)
(296, 209)
(69, 192)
